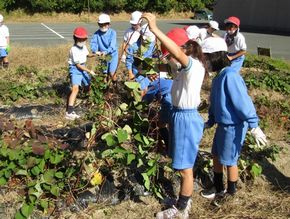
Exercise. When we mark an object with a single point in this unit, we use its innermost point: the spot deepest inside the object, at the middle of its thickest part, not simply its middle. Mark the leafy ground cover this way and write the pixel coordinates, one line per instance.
(111, 163)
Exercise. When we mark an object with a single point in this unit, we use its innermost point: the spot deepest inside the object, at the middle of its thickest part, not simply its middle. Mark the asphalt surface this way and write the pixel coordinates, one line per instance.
(46, 34)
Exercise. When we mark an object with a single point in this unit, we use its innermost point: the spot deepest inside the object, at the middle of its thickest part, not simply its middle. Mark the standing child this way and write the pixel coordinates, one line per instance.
(186, 125)
(233, 111)
(236, 42)
(132, 35)
(4, 43)
(104, 42)
(78, 71)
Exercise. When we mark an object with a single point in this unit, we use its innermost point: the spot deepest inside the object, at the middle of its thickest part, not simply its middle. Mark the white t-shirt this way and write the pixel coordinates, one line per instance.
(239, 43)
(4, 33)
(78, 55)
(186, 86)
(136, 34)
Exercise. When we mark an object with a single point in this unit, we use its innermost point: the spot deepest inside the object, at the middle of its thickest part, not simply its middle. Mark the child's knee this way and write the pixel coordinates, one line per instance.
(75, 89)
(185, 173)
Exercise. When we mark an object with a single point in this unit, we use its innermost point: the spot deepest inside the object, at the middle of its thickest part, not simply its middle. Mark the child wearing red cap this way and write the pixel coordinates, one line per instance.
(236, 42)
(78, 71)
(186, 125)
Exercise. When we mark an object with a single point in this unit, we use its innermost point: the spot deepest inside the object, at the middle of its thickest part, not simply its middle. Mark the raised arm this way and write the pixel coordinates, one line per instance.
(172, 48)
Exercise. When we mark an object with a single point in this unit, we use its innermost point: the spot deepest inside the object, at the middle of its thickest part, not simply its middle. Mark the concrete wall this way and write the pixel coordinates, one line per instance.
(268, 15)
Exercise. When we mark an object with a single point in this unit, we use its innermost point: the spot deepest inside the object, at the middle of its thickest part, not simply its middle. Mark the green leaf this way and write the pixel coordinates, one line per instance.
(121, 150)
(26, 209)
(21, 173)
(151, 162)
(140, 149)
(140, 163)
(107, 153)
(3, 152)
(137, 96)
(157, 192)
(35, 171)
(128, 129)
(104, 136)
(56, 159)
(256, 170)
(12, 155)
(130, 158)
(11, 165)
(132, 85)
(59, 175)
(146, 141)
(44, 204)
(122, 135)
(152, 171)
(123, 106)
(110, 140)
(146, 181)
(54, 190)
(41, 165)
(47, 154)
(18, 215)
(118, 112)
(94, 130)
(3, 181)
(138, 137)
(48, 176)
(7, 173)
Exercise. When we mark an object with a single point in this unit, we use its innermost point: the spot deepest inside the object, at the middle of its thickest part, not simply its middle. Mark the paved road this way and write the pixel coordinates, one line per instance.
(46, 34)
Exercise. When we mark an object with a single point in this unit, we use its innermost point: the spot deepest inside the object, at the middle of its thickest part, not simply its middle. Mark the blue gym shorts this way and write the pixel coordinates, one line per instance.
(186, 129)
(79, 77)
(228, 142)
(3, 53)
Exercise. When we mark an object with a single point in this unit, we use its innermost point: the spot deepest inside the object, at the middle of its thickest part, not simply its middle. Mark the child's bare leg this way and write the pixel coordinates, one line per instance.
(233, 176)
(5, 62)
(186, 182)
(186, 188)
(73, 95)
(131, 75)
(113, 76)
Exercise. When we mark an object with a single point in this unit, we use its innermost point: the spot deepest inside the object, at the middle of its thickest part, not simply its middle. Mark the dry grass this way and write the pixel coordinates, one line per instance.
(20, 16)
(42, 58)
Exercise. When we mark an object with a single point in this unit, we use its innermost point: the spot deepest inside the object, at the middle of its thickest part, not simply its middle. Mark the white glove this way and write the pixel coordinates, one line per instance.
(123, 58)
(259, 136)
(98, 53)
(92, 72)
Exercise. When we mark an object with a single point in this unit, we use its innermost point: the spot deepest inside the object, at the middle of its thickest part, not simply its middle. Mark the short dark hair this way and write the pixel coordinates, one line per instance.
(216, 61)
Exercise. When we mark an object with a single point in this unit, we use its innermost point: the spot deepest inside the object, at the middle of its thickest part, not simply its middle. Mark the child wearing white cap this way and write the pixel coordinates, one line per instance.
(132, 35)
(4, 43)
(200, 34)
(232, 109)
(104, 42)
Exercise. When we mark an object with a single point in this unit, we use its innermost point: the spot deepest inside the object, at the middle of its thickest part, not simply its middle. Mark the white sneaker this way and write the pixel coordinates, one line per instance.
(168, 213)
(184, 214)
(71, 116)
(173, 212)
(211, 193)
